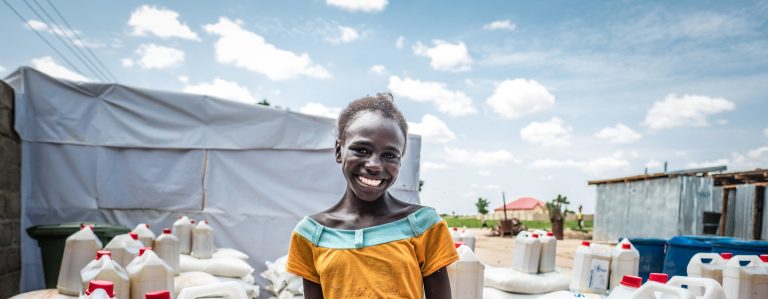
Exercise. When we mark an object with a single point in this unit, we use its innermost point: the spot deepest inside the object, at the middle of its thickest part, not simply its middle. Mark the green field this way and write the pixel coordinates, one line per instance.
(470, 222)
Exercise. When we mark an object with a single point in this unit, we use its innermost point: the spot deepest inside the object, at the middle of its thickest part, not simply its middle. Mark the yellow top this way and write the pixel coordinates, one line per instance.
(384, 261)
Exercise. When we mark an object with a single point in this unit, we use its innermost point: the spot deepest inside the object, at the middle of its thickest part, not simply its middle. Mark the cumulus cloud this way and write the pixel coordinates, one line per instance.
(553, 132)
(244, 49)
(344, 35)
(513, 98)
(377, 69)
(159, 57)
(500, 25)
(750, 160)
(651, 164)
(432, 129)
(478, 158)
(126, 62)
(359, 5)
(183, 79)
(47, 65)
(400, 42)
(618, 134)
(596, 166)
(484, 173)
(228, 90)
(445, 56)
(160, 22)
(2, 69)
(76, 35)
(454, 103)
(427, 166)
(704, 164)
(685, 111)
(320, 110)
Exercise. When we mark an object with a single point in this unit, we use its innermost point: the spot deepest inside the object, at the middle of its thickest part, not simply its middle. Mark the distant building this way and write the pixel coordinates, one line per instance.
(524, 208)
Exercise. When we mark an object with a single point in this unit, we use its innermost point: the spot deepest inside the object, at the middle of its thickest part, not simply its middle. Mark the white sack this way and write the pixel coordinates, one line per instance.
(229, 252)
(510, 280)
(191, 279)
(226, 266)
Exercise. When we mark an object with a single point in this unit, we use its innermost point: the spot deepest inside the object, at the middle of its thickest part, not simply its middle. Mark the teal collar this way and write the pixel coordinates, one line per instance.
(409, 227)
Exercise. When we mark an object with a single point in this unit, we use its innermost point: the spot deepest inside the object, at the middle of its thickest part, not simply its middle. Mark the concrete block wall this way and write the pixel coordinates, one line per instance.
(10, 197)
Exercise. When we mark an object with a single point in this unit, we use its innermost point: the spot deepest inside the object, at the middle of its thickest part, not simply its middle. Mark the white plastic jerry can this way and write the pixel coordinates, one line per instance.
(99, 289)
(468, 237)
(167, 248)
(624, 261)
(149, 273)
(466, 275)
(590, 268)
(707, 265)
(202, 241)
(527, 252)
(698, 287)
(79, 249)
(745, 277)
(146, 236)
(658, 290)
(182, 229)
(626, 288)
(124, 248)
(103, 268)
(548, 253)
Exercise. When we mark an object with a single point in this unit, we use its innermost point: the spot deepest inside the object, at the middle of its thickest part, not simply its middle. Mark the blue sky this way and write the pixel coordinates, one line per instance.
(533, 98)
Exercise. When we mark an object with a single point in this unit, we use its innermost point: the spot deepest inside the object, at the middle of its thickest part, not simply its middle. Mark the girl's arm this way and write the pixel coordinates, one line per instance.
(314, 291)
(436, 285)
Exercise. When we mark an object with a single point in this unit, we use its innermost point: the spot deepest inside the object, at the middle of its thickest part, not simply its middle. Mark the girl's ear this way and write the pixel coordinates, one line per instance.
(338, 151)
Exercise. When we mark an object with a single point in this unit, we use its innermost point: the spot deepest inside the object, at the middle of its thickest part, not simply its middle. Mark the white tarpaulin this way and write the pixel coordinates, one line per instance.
(114, 154)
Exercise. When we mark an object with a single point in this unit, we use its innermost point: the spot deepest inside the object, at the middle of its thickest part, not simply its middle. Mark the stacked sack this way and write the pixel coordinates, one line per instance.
(284, 284)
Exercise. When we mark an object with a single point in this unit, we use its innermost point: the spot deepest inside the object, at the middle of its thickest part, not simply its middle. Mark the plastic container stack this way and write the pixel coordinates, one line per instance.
(527, 253)
(182, 229)
(79, 250)
(548, 252)
(149, 273)
(590, 268)
(707, 265)
(468, 238)
(466, 275)
(146, 236)
(124, 248)
(202, 241)
(745, 277)
(167, 248)
(624, 261)
(103, 268)
(698, 287)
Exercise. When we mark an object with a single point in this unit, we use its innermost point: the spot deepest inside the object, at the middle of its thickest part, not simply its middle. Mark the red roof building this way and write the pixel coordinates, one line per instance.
(523, 208)
(522, 203)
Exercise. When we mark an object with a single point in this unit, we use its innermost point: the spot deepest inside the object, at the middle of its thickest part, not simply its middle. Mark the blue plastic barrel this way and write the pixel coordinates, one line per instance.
(708, 238)
(651, 255)
(740, 247)
(680, 250)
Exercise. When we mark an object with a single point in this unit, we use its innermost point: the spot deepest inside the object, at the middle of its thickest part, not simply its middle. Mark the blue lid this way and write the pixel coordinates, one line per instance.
(688, 242)
(648, 241)
(741, 244)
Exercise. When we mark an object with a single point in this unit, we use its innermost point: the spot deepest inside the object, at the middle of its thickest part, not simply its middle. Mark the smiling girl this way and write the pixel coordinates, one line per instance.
(370, 244)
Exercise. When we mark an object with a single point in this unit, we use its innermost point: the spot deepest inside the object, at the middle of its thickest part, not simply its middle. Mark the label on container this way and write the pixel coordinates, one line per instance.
(598, 275)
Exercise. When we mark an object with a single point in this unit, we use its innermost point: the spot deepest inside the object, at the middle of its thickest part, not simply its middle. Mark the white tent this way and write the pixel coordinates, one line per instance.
(115, 154)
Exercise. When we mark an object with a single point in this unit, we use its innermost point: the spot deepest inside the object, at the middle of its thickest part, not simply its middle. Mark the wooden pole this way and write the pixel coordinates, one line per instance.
(504, 201)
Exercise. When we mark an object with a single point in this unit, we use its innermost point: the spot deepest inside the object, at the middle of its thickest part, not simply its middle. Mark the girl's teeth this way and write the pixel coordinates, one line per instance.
(370, 182)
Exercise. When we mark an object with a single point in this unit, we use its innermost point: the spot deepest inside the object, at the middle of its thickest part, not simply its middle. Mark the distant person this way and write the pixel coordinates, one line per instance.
(370, 244)
(580, 218)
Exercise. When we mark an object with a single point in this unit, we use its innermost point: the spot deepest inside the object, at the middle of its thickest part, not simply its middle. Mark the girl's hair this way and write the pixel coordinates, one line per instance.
(382, 103)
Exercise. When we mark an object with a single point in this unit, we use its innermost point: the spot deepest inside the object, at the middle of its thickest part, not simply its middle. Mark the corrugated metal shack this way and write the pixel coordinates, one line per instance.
(742, 200)
(658, 205)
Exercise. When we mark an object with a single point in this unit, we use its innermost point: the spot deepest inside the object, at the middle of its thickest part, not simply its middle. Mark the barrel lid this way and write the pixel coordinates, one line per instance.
(165, 294)
(658, 277)
(105, 285)
(631, 281)
(688, 242)
(647, 241)
(741, 244)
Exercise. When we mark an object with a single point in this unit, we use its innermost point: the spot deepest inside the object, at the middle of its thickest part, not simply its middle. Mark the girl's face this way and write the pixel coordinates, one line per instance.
(370, 154)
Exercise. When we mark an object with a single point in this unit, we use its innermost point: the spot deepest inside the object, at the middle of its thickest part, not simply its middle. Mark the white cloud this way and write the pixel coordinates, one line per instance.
(126, 62)
(765, 132)
(513, 98)
(704, 164)
(47, 65)
(161, 22)
(242, 48)
(400, 42)
(159, 57)
(320, 110)
(721, 121)
(224, 89)
(454, 103)
(2, 69)
(553, 132)
(359, 5)
(618, 134)
(432, 129)
(75, 35)
(377, 69)
(484, 173)
(183, 79)
(751, 160)
(345, 35)
(596, 166)
(427, 166)
(685, 111)
(651, 164)
(446, 56)
(500, 25)
(490, 187)
(478, 158)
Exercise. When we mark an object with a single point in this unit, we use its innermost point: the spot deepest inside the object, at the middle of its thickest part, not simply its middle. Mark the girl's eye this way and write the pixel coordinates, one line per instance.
(361, 151)
(390, 156)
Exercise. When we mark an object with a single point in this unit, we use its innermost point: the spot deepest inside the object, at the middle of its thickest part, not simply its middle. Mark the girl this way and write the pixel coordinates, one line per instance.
(370, 244)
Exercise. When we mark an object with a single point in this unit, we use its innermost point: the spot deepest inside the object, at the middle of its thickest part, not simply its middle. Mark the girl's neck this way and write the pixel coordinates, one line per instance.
(351, 204)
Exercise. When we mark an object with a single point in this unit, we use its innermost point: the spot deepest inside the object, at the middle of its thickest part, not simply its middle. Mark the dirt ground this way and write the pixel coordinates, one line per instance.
(497, 251)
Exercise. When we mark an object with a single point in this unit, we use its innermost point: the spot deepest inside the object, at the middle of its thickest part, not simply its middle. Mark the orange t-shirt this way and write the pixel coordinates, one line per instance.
(383, 261)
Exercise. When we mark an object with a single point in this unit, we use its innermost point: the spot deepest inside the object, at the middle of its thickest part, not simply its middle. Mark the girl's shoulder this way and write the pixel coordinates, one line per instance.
(334, 219)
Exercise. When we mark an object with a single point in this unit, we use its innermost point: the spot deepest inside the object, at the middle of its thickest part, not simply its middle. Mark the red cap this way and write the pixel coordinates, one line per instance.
(179, 217)
(631, 281)
(457, 244)
(158, 295)
(206, 221)
(166, 230)
(142, 249)
(550, 234)
(146, 224)
(134, 236)
(659, 277)
(626, 246)
(764, 258)
(192, 221)
(105, 285)
(726, 255)
(584, 243)
(535, 236)
(455, 229)
(101, 253)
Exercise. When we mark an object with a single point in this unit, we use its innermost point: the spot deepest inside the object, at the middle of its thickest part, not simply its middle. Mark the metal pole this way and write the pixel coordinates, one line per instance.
(504, 201)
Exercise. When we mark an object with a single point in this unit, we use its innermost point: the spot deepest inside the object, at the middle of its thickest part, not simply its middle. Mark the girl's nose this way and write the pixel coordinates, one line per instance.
(373, 164)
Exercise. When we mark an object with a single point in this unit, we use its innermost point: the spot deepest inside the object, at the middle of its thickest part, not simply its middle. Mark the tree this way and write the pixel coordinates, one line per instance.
(482, 205)
(558, 210)
(264, 102)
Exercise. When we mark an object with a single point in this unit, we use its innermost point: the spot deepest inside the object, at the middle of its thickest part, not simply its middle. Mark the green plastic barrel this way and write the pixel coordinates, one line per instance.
(52, 237)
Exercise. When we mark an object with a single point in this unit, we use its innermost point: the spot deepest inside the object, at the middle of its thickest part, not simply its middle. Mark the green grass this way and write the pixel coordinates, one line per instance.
(470, 222)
